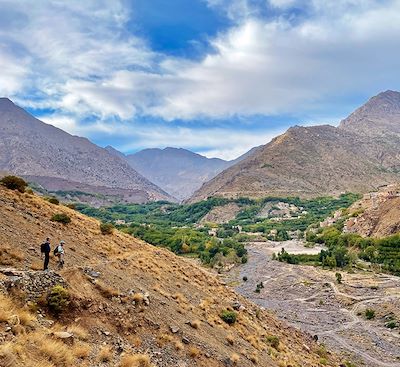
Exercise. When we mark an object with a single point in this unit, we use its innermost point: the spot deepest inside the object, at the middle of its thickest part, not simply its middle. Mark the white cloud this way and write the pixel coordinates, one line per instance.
(78, 58)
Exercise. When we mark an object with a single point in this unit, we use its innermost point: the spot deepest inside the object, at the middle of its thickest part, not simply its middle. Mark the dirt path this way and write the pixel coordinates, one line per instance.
(309, 298)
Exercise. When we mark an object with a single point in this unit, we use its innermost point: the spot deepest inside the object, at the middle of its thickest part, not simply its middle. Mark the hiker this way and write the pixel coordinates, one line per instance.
(45, 250)
(60, 252)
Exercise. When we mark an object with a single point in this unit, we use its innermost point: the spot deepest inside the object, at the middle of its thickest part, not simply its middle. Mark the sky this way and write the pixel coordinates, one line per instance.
(214, 76)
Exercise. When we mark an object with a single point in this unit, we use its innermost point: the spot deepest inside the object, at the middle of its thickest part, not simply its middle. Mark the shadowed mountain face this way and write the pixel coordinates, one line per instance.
(359, 155)
(29, 147)
(179, 172)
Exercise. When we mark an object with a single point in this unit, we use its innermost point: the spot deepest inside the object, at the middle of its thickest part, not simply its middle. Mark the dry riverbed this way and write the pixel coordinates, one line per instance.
(310, 299)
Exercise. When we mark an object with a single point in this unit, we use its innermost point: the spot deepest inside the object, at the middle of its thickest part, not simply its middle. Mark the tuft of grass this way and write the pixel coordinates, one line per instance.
(235, 358)
(106, 228)
(230, 339)
(136, 360)
(82, 351)
(195, 324)
(194, 352)
(105, 354)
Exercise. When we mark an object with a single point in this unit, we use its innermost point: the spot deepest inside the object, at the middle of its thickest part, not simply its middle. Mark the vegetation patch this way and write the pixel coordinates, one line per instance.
(61, 218)
(14, 183)
(228, 316)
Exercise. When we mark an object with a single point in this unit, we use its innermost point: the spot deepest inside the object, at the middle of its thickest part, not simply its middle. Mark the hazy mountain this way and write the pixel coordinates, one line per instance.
(56, 159)
(178, 171)
(359, 155)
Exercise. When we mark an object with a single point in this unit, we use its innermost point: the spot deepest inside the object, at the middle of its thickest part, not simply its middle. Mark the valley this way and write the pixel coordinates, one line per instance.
(309, 298)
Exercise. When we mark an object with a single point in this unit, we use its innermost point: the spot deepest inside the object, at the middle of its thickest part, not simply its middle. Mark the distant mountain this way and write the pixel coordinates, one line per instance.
(60, 161)
(361, 154)
(178, 171)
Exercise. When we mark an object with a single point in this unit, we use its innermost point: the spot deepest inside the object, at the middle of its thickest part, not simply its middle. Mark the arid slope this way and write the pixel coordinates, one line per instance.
(179, 326)
(358, 156)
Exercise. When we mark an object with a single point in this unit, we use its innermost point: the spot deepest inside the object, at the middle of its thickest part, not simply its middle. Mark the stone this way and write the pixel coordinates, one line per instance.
(174, 329)
(63, 335)
(185, 340)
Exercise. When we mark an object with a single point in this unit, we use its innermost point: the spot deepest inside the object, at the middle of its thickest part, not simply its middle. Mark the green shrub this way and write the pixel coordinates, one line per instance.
(338, 278)
(391, 324)
(369, 314)
(61, 218)
(71, 206)
(273, 341)
(228, 316)
(58, 299)
(53, 200)
(14, 183)
(106, 228)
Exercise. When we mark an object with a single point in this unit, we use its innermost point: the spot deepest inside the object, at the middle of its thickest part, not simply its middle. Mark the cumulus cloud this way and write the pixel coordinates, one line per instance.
(78, 58)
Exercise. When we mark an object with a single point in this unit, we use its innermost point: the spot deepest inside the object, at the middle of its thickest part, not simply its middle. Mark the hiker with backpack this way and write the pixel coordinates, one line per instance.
(60, 252)
(45, 250)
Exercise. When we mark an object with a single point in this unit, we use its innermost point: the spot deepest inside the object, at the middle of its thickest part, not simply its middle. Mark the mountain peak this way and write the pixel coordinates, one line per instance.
(380, 114)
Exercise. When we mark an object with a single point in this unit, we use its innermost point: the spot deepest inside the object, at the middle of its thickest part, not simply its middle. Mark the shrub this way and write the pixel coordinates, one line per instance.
(105, 354)
(106, 228)
(338, 278)
(14, 183)
(71, 206)
(245, 279)
(273, 341)
(369, 314)
(391, 324)
(228, 316)
(53, 200)
(58, 299)
(61, 218)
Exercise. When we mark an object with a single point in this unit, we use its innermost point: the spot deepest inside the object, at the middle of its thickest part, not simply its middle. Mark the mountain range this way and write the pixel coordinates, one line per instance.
(59, 161)
(178, 171)
(359, 155)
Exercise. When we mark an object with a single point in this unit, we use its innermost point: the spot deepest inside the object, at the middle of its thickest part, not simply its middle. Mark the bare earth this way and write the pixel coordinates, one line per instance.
(309, 298)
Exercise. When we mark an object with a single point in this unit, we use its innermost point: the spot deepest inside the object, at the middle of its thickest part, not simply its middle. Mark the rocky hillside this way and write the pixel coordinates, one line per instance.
(178, 171)
(360, 155)
(126, 303)
(33, 149)
(377, 214)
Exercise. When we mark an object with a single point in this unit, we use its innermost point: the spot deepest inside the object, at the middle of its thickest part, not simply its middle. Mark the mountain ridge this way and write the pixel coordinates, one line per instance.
(30, 147)
(319, 160)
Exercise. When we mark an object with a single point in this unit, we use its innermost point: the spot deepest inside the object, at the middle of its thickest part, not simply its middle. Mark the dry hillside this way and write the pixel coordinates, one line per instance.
(358, 156)
(131, 304)
(379, 213)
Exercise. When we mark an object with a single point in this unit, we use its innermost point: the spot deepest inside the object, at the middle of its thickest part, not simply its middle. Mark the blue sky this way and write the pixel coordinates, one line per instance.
(214, 76)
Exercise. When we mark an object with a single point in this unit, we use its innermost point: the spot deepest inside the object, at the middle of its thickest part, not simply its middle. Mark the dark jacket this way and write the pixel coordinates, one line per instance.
(45, 248)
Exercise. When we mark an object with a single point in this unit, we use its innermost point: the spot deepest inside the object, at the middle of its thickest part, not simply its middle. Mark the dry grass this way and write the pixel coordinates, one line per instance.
(179, 345)
(194, 352)
(106, 291)
(235, 358)
(136, 360)
(10, 257)
(6, 308)
(195, 324)
(82, 350)
(105, 354)
(230, 339)
(37, 265)
(138, 297)
(7, 355)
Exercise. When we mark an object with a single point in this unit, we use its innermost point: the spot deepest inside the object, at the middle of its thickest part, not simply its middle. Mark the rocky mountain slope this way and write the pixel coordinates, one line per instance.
(360, 155)
(31, 148)
(130, 304)
(178, 171)
(377, 213)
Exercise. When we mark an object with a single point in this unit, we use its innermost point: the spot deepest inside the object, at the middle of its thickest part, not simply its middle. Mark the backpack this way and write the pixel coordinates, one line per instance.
(42, 247)
(55, 252)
